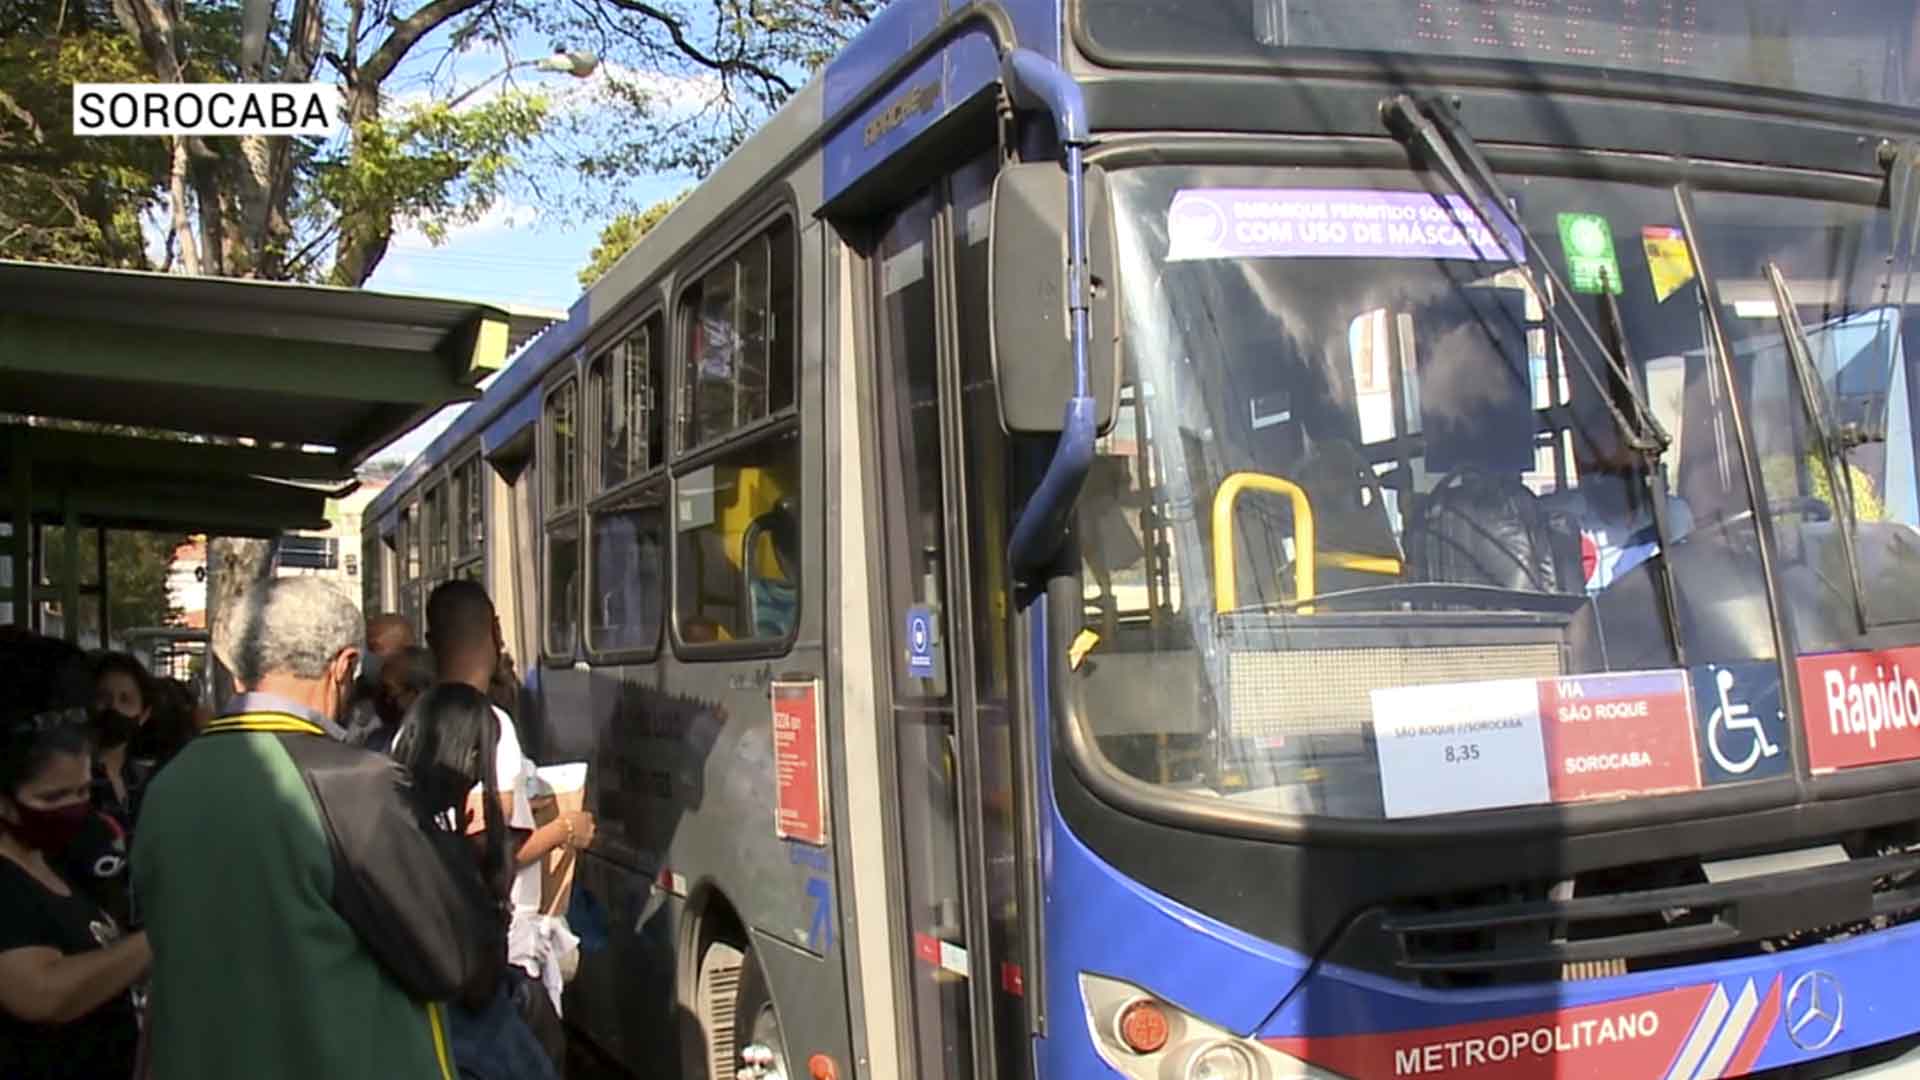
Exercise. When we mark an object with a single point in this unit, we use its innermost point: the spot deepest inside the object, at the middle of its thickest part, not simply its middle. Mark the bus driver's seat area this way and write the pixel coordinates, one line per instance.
(1481, 525)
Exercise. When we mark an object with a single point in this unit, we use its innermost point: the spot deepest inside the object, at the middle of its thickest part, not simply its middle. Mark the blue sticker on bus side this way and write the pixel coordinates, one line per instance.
(920, 643)
(820, 931)
(1740, 721)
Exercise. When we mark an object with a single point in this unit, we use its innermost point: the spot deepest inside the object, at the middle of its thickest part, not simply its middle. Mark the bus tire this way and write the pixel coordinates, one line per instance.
(763, 1050)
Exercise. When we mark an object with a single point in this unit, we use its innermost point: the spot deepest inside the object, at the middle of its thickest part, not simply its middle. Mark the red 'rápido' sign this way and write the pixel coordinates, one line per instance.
(1861, 708)
(1625, 734)
(800, 809)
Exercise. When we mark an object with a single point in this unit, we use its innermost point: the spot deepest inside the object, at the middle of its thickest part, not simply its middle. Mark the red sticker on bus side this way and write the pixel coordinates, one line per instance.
(1616, 735)
(800, 811)
(1860, 708)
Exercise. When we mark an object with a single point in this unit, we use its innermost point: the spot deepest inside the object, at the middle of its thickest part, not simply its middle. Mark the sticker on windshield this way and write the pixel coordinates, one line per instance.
(1239, 223)
(1667, 259)
(1465, 746)
(1587, 240)
(1611, 735)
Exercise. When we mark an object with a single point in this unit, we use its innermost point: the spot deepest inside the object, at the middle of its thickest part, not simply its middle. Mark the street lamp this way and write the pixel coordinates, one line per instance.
(577, 64)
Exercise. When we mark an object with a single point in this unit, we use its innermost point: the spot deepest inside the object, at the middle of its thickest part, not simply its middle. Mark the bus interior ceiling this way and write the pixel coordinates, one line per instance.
(200, 405)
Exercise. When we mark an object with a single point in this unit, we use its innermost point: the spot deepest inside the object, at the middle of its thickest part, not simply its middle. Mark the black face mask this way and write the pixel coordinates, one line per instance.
(113, 728)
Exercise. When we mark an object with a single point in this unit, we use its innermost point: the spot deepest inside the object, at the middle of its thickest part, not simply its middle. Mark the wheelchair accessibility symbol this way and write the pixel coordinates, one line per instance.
(1733, 724)
(1742, 729)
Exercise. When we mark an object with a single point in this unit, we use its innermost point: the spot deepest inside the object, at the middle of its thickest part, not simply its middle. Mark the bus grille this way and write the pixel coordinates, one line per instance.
(1465, 941)
(1328, 691)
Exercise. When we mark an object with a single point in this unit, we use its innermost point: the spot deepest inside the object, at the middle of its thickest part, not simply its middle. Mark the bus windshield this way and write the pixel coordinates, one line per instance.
(1355, 474)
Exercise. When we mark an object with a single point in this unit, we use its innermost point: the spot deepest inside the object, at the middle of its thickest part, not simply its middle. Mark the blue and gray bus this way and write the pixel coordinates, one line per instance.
(1241, 539)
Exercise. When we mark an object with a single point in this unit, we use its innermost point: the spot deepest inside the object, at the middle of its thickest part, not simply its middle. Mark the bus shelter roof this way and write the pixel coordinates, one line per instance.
(272, 393)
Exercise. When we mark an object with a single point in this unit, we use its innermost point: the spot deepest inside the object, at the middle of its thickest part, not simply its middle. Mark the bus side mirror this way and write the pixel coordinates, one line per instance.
(1032, 355)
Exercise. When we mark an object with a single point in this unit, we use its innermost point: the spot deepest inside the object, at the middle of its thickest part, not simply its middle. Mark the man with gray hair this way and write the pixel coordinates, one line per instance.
(306, 921)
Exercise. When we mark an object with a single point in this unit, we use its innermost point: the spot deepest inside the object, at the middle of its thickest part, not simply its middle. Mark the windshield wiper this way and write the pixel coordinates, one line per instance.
(1434, 125)
(1833, 455)
(1653, 474)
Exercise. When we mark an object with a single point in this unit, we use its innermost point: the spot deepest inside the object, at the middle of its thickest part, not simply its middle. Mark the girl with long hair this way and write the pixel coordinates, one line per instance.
(449, 744)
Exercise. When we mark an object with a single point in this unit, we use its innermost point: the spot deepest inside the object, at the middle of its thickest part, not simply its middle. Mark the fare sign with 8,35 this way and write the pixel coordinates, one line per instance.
(1461, 746)
(1624, 734)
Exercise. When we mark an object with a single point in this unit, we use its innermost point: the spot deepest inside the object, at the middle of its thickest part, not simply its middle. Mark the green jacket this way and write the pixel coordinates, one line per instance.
(303, 919)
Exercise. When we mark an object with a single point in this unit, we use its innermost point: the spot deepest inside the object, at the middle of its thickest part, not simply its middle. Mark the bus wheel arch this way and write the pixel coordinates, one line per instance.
(718, 973)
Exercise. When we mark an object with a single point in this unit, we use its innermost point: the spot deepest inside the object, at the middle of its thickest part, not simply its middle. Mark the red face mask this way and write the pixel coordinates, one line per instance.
(49, 831)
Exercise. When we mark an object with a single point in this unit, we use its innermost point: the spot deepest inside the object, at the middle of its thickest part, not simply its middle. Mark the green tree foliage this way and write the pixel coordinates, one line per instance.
(136, 575)
(63, 198)
(678, 84)
(621, 234)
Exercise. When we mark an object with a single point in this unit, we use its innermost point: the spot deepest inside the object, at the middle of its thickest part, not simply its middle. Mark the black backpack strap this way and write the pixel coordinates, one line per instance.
(410, 889)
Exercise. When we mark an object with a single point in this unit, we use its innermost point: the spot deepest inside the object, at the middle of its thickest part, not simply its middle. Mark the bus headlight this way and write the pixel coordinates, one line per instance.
(1219, 1061)
(1145, 1037)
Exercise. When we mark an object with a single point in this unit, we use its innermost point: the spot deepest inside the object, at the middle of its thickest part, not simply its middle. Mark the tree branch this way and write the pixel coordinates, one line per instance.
(305, 35)
(678, 32)
(355, 9)
(294, 262)
(256, 16)
(182, 230)
(406, 33)
(151, 24)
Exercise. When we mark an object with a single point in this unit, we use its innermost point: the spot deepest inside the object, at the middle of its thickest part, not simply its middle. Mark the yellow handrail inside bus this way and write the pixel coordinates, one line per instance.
(1362, 564)
(1226, 586)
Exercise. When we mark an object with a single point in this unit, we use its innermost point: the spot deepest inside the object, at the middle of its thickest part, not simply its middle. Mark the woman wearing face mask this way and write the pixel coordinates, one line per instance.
(123, 703)
(97, 858)
(66, 966)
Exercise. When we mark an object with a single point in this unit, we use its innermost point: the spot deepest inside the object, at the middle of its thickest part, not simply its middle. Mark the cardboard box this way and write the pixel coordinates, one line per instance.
(558, 789)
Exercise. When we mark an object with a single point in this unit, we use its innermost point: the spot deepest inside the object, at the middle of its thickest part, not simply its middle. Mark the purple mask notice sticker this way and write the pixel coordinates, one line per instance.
(1240, 223)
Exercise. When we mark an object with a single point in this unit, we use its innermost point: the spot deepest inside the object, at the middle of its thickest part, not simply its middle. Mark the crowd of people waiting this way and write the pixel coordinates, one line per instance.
(339, 874)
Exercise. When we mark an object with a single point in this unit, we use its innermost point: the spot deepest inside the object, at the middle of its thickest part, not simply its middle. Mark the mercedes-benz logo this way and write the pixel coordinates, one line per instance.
(1815, 1009)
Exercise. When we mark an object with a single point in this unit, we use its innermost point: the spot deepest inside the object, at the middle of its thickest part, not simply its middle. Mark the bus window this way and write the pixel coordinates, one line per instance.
(373, 578)
(739, 361)
(407, 562)
(737, 515)
(467, 520)
(738, 524)
(628, 579)
(434, 520)
(627, 531)
(561, 467)
(623, 384)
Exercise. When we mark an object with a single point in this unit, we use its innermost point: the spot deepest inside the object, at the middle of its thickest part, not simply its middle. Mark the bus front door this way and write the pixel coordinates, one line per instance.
(940, 688)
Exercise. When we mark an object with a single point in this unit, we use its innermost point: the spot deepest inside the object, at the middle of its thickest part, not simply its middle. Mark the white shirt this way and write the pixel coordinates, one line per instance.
(535, 942)
(513, 775)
